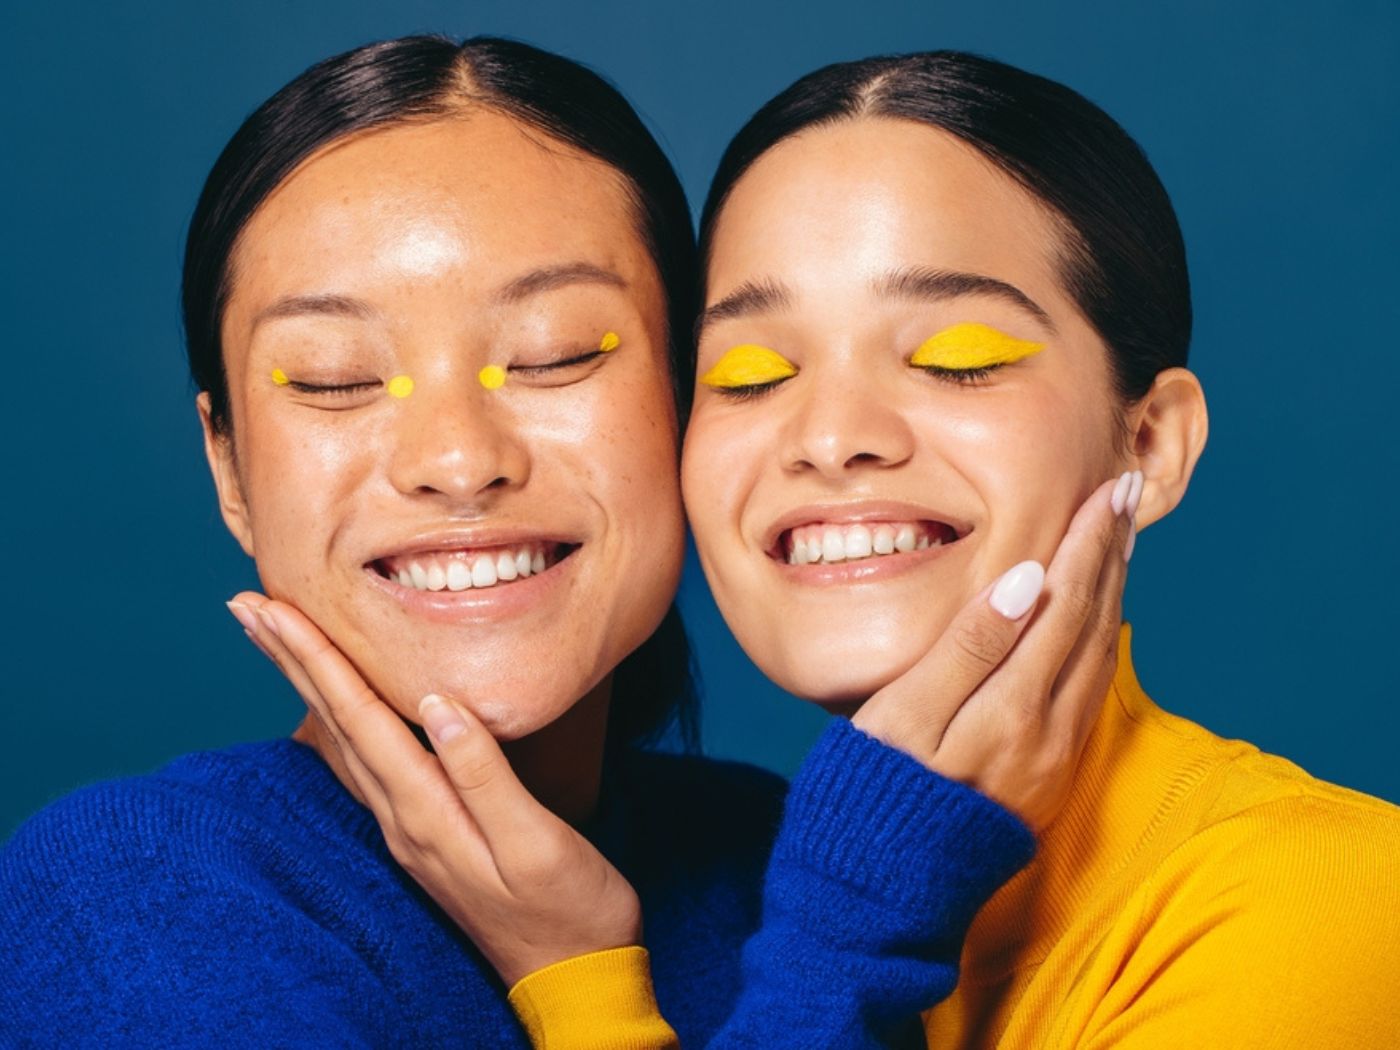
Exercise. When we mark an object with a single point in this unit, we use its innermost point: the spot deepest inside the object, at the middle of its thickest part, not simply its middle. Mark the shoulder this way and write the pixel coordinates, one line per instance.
(201, 800)
(1327, 843)
(181, 897)
(1283, 917)
(1303, 884)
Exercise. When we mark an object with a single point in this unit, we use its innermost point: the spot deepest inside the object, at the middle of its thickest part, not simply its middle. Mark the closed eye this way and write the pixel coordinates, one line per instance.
(333, 389)
(749, 391)
(556, 366)
(747, 371)
(960, 376)
(971, 347)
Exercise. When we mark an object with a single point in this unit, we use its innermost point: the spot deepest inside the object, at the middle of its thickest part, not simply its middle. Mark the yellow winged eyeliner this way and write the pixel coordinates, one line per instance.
(748, 365)
(971, 345)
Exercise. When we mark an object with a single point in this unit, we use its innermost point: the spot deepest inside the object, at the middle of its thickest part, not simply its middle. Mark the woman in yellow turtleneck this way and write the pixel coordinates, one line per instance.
(944, 299)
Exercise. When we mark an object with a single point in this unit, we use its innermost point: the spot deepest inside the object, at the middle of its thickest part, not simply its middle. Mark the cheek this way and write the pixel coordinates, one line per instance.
(619, 438)
(1033, 461)
(723, 455)
(301, 475)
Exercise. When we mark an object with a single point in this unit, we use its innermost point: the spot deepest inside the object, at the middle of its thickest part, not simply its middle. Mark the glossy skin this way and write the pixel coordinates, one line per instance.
(829, 216)
(855, 423)
(430, 227)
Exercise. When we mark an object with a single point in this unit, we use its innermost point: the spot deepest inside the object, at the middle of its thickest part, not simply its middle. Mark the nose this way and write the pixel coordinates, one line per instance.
(842, 426)
(454, 441)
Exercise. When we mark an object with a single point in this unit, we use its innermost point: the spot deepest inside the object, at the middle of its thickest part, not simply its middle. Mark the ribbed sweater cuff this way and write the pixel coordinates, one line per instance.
(879, 821)
(599, 1001)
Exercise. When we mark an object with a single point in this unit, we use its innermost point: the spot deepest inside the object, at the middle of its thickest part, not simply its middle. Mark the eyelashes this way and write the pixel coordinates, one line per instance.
(329, 389)
(748, 370)
(965, 354)
(971, 347)
(492, 377)
(564, 363)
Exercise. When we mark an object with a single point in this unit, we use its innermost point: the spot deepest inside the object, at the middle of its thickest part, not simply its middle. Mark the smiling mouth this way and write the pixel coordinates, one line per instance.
(829, 543)
(463, 569)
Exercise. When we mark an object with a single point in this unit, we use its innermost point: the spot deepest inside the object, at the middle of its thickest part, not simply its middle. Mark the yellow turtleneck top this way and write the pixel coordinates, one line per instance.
(1193, 892)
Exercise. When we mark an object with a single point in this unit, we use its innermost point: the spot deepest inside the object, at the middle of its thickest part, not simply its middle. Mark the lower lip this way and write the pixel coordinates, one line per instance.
(867, 570)
(479, 605)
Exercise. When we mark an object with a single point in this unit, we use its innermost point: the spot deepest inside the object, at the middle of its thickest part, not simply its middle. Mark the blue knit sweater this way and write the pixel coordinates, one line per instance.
(242, 897)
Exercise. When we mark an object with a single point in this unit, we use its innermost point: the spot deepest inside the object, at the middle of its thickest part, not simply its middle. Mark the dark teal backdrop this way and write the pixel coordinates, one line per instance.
(1264, 608)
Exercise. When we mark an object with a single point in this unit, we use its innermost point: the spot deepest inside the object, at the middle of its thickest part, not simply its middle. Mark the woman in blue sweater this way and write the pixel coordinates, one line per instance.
(378, 246)
(437, 301)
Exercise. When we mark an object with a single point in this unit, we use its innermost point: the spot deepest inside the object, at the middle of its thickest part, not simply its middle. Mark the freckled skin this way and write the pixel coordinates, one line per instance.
(427, 223)
(823, 213)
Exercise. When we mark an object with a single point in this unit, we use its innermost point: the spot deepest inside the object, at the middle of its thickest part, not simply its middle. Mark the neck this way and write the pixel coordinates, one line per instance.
(560, 764)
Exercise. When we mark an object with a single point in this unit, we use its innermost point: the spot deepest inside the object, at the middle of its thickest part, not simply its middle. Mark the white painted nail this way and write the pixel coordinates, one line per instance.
(1132, 542)
(1135, 494)
(1016, 592)
(1120, 492)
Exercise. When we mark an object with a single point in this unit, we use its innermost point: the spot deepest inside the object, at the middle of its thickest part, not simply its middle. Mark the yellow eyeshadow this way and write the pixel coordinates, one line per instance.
(748, 365)
(399, 386)
(609, 343)
(492, 377)
(280, 377)
(972, 345)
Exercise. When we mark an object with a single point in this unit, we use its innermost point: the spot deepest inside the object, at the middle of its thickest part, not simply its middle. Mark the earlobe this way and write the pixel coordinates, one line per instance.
(218, 450)
(1168, 429)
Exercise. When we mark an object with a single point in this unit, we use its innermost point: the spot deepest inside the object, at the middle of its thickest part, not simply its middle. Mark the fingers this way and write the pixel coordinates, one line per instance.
(381, 751)
(1075, 582)
(252, 610)
(505, 813)
(1083, 681)
(913, 711)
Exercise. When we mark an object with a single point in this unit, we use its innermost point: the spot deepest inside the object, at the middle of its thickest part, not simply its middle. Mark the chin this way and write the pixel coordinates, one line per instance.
(507, 722)
(841, 677)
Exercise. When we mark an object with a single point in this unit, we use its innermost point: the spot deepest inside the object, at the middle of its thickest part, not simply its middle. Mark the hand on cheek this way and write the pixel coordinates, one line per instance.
(1007, 696)
(509, 872)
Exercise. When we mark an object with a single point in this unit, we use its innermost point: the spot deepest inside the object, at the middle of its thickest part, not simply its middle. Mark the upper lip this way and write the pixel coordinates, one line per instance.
(856, 512)
(473, 537)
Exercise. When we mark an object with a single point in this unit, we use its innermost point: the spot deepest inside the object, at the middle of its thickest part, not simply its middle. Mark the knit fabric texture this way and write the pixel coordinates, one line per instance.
(243, 897)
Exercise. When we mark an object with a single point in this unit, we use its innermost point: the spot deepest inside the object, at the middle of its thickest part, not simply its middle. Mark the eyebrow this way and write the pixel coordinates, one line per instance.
(322, 305)
(549, 278)
(751, 297)
(922, 283)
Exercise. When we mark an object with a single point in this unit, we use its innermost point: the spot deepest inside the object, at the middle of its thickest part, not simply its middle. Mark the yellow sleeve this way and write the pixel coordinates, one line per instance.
(1278, 928)
(600, 1001)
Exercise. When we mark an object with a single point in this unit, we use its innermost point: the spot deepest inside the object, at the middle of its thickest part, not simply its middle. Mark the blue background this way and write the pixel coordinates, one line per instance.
(1264, 607)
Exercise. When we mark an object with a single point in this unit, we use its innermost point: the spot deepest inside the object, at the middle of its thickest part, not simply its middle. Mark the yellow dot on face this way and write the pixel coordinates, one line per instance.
(492, 377)
(400, 386)
(610, 342)
(280, 377)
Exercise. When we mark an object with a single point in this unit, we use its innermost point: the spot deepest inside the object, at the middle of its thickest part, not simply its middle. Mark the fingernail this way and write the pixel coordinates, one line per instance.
(1120, 493)
(440, 718)
(1018, 590)
(1135, 494)
(243, 615)
(1132, 540)
(267, 621)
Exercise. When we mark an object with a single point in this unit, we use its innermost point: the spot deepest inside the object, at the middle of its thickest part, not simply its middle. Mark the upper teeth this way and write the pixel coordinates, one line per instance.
(834, 543)
(464, 570)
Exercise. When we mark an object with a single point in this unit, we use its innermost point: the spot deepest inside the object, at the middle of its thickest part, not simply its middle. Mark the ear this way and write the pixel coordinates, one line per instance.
(1167, 432)
(218, 450)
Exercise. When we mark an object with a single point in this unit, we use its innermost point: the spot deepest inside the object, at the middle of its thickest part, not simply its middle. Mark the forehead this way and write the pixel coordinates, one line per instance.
(852, 200)
(479, 195)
